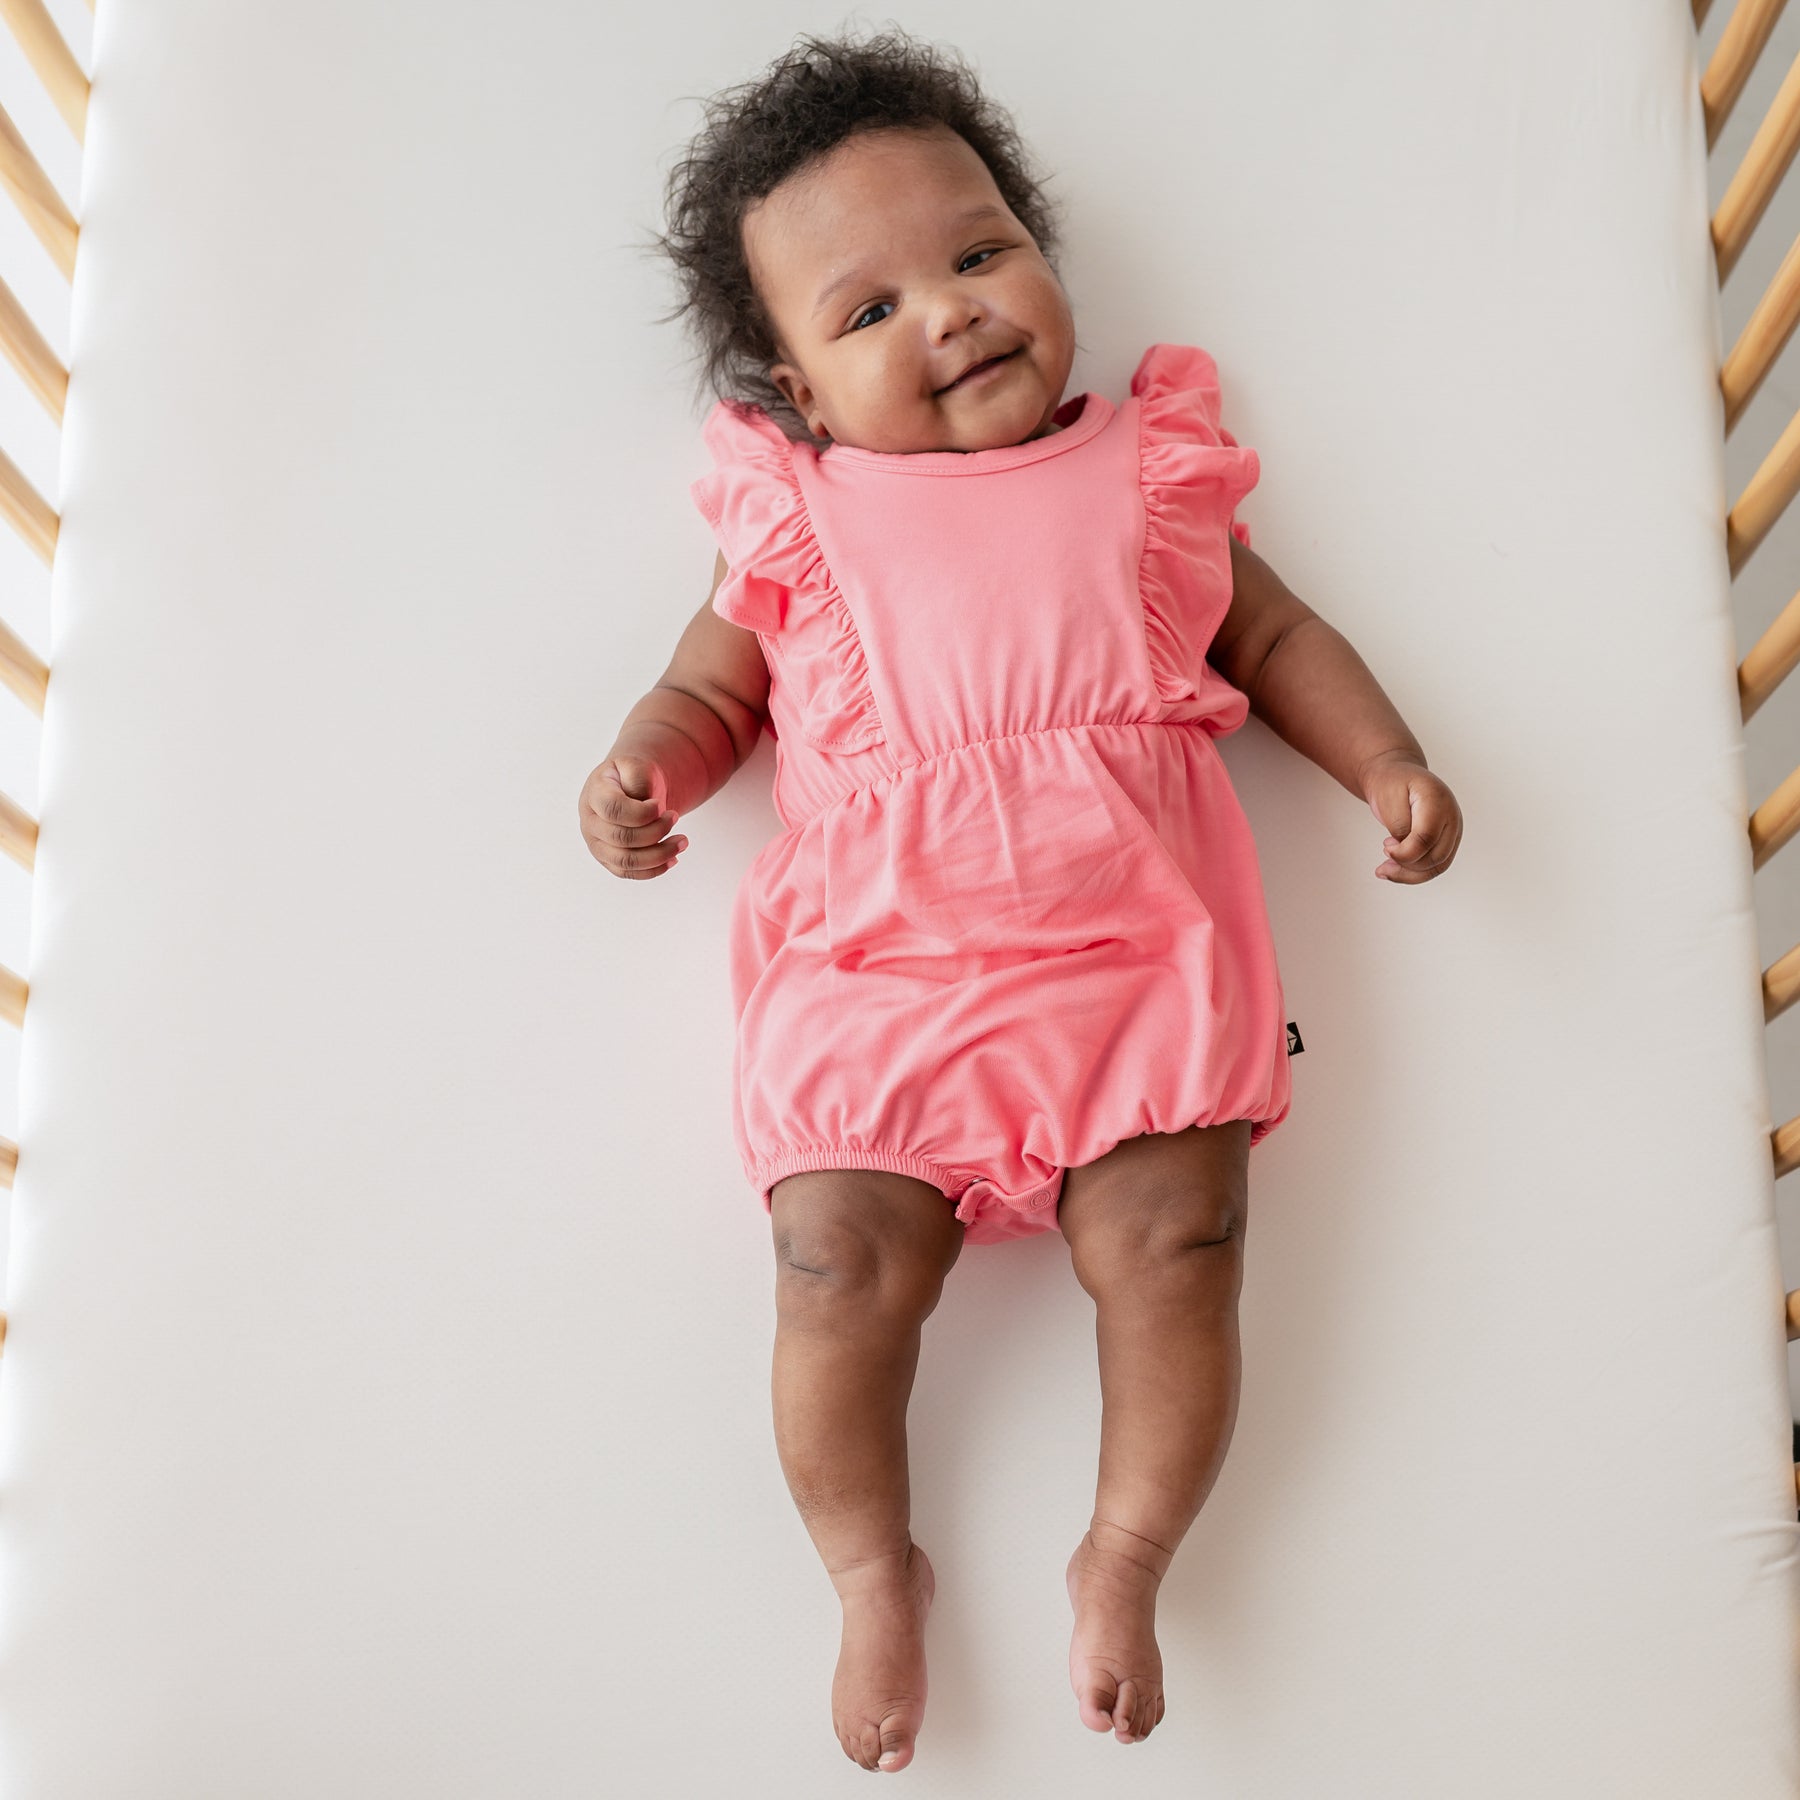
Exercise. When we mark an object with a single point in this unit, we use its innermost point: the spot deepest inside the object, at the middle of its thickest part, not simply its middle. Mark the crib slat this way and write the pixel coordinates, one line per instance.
(1763, 338)
(1734, 60)
(1781, 984)
(29, 353)
(1765, 498)
(18, 832)
(1758, 175)
(55, 63)
(26, 510)
(14, 992)
(1785, 1140)
(1775, 821)
(1772, 658)
(23, 670)
(42, 206)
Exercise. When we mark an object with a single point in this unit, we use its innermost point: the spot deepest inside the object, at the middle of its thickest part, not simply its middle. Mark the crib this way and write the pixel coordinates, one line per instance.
(380, 1411)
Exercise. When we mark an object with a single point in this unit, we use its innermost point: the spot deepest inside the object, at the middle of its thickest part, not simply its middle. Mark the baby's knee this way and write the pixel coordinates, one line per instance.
(861, 1241)
(1173, 1232)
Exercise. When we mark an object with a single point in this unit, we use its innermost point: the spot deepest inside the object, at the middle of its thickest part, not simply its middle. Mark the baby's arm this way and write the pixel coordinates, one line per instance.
(679, 744)
(1305, 680)
(702, 717)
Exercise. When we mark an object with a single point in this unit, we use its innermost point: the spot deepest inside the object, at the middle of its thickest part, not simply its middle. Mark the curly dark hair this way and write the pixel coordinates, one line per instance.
(757, 134)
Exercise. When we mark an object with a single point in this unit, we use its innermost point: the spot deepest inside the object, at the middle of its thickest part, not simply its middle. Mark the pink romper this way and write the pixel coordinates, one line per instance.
(1015, 914)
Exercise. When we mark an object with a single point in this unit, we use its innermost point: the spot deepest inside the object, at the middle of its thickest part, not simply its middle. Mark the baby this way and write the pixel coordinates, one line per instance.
(1008, 966)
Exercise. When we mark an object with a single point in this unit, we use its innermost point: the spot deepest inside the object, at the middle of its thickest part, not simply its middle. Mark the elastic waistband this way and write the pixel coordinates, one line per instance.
(1086, 726)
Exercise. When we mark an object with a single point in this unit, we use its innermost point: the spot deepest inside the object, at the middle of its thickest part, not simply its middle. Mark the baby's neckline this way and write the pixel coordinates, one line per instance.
(1078, 418)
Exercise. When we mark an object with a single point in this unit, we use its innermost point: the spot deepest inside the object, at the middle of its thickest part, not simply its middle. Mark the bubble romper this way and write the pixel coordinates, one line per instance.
(1015, 913)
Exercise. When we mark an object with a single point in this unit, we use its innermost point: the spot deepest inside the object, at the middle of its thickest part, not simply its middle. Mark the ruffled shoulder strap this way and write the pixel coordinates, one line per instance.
(1193, 473)
(1177, 386)
(780, 585)
(753, 502)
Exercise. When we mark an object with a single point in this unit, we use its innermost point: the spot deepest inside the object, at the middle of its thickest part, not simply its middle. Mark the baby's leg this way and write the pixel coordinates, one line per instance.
(861, 1257)
(1156, 1235)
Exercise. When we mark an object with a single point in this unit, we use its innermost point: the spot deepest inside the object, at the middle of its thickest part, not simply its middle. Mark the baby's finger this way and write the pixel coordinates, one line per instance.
(610, 815)
(621, 807)
(607, 842)
(1402, 877)
(1407, 848)
(1432, 858)
(648, 860)
(1392, 803)
(1431, 816)
(632, 837)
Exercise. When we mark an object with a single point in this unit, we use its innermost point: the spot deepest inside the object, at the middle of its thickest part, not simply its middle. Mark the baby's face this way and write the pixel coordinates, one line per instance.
(889, 267)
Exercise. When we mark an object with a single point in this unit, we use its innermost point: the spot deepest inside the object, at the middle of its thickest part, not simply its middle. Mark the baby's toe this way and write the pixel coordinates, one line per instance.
(1096, 1698)
(1149, 1710)
(1126, 1708)
(887, 1744)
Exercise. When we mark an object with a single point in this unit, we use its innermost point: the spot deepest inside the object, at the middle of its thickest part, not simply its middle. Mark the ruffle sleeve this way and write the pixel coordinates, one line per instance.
(1193, 473)
(778, 584)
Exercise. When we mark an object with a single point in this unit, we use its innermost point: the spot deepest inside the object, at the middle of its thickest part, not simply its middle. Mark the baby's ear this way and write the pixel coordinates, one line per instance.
(795, 391)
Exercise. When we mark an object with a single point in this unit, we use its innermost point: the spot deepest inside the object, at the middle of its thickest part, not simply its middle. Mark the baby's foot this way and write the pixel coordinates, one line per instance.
(1115, 1666)
(878, 1693)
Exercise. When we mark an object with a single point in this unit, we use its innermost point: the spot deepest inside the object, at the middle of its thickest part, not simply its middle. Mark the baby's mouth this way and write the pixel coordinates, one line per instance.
(967, 373)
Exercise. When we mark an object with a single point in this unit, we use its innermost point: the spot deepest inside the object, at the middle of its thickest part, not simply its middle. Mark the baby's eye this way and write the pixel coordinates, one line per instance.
(856, 323)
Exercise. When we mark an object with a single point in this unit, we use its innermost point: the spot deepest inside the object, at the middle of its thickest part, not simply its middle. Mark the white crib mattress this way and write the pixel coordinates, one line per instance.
(386, 1411)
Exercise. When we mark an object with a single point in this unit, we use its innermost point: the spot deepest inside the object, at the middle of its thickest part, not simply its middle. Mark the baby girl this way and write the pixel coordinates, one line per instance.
(1007, 968)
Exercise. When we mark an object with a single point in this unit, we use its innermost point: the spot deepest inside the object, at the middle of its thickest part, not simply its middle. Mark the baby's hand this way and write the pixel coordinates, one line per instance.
(1422, 813)
(624, 821)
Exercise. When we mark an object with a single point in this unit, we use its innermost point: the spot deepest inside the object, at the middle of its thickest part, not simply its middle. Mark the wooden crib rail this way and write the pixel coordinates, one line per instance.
(63, 77)
(1746, 33)
(27, 351)
(1772, 320)
(1772, 658)
(23, 670)
(53, 223)
(1775, 821)
(1746, 199)
(27, 511)
(1763, 338)
(36, 197)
